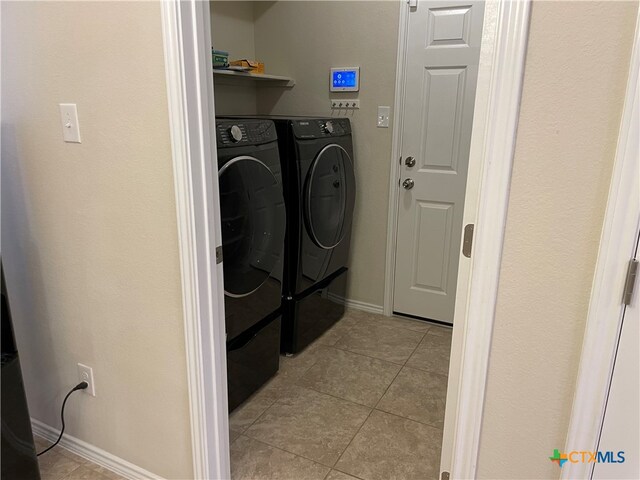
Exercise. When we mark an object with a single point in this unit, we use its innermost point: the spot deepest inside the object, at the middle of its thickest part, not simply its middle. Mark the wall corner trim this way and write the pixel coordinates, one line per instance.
(94, 454)
(604, 319)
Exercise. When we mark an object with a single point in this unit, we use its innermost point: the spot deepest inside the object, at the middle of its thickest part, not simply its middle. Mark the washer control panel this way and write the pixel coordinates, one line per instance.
(321, 127)
(245, 132)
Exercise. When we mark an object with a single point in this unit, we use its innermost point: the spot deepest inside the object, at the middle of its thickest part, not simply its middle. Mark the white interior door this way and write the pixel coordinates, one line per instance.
(621, 426)
(443, 49)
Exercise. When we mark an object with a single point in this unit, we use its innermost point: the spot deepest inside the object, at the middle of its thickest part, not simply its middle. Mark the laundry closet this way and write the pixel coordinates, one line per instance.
(287, 79)
(299, 42)
(312, 197)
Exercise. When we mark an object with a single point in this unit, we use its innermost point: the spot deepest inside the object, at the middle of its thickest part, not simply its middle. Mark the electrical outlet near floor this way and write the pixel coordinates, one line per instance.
(85, 374)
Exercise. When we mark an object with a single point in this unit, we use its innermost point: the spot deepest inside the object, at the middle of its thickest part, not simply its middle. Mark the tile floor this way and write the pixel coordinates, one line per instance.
(365, 401)
(61, 464)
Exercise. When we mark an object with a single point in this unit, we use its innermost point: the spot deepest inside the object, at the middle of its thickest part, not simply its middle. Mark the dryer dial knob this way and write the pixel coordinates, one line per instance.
(235, 133)
(328, 127)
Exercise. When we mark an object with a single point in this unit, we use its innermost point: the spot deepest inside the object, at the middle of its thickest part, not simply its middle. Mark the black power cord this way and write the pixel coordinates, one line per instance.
(80, 386)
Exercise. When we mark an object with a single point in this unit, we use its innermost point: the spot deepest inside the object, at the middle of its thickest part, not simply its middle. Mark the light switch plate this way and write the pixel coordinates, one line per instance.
(70, 125)
(383, 117)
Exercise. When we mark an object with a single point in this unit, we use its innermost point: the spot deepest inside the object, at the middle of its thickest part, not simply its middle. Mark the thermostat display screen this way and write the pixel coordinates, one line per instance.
(345, 79)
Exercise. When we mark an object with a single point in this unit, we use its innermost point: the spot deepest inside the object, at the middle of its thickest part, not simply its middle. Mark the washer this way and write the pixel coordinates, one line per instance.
(319, 189)
(252, 212)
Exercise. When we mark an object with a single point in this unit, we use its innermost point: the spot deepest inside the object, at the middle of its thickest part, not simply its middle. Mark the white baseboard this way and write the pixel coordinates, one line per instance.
(357, 304)
(92, 453)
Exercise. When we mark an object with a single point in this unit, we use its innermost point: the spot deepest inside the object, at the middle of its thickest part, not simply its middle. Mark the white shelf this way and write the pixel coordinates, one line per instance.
(235, 77)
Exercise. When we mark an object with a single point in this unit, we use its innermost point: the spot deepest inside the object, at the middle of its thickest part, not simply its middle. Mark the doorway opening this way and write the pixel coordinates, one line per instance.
(436, 81)
(386, 376)
(308, 379)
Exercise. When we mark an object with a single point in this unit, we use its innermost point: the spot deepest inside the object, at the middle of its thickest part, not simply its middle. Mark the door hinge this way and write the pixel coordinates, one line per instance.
(630, 282)
(218, 254)
(467, 241)
(444, 476)
(412, 3)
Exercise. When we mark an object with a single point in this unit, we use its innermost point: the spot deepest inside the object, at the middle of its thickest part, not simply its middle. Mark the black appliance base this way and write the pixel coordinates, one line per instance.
(250, 366)
(308, 317)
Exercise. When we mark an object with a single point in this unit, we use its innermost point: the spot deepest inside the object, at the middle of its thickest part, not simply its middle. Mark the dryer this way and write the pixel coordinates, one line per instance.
(319, 189)
(253, 220)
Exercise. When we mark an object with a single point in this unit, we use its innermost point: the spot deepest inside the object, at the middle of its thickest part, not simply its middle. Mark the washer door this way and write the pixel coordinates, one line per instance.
(253, 224)
(329, 196)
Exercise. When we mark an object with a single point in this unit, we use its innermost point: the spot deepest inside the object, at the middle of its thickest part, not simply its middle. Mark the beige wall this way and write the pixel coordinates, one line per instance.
(89, 236)
(575, 78)
(304, 40)
(232, 31)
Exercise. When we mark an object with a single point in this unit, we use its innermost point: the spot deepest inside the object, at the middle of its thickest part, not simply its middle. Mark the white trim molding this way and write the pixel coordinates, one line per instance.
(189, 77)
(507, 71)
(396, 148)
(604, 320)
(92, 453)
(356, 304)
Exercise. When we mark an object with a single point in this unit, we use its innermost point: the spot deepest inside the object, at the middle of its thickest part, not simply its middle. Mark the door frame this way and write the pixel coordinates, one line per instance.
(187, 41)
(604, 319)
(498, 92)
(186, 35)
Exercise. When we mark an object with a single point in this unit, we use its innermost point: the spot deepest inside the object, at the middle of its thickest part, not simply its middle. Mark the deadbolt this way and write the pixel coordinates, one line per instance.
(408, 184)
(410, 161)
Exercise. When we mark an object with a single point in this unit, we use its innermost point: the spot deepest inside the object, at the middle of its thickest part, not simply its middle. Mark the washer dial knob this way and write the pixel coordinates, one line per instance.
(328, 127)
(235, 133)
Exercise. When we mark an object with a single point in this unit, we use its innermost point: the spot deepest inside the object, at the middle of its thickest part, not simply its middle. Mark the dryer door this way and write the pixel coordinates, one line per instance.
(253, 224)
(329, 196)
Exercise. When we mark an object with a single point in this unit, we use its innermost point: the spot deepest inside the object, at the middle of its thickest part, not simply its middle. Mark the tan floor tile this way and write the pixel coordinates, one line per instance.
(249, 411)
(440, 330)
(105, 472)
(350, 376)
(417, 395)
(336, 475)
(310, 424)
(84, 472)
(432, 354)
(233, 434)
(292, 368)
(55, 466)
(335, 333)
(389, 447)
(381, 341)
(254, 460)
(352, 316)
(395, 322)
(355, 360)
(40, 443)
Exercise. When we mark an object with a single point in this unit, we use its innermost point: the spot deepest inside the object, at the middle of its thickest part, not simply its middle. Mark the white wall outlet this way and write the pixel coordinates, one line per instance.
(85, 374)
(345, 103)
(383, 117)
(70, 125)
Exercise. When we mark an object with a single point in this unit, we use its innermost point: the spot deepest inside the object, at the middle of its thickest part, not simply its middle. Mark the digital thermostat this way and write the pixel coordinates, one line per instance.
(345, 79)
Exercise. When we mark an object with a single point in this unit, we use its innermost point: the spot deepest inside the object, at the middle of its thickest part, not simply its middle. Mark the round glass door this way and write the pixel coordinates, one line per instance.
(330, 189)
(253, 222)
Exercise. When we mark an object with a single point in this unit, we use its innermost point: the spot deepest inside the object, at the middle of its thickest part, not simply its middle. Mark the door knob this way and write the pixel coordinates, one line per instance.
(410, 161)
(408, 184)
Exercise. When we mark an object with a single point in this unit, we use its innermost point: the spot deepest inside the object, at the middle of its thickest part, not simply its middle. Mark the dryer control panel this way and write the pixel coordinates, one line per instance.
(321, 127)
(245, 132)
